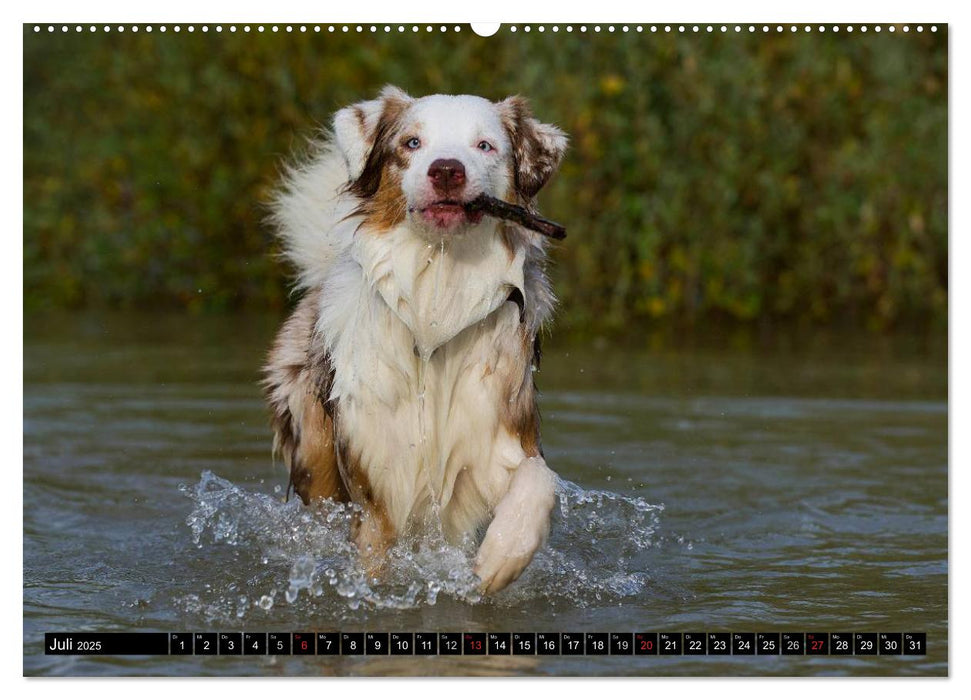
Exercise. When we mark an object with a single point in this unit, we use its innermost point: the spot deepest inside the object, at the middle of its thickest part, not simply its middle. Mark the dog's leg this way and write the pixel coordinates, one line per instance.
(297, 382)
(519, 528)
(313, 466)
(373, 535)
(371, 528)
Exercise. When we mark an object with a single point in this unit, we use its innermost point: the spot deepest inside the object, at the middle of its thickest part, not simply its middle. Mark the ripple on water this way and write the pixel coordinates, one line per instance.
(598, 550)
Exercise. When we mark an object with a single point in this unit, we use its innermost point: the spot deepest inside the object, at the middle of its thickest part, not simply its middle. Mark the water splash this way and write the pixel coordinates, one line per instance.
(599, 549)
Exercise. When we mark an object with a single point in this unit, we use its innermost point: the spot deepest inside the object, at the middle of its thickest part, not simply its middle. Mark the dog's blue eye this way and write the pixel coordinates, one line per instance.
(485, 146)
(413, 143)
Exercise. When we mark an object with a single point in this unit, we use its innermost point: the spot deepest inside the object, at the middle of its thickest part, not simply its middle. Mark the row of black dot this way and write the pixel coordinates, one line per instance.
(513, 28)
(725, 28)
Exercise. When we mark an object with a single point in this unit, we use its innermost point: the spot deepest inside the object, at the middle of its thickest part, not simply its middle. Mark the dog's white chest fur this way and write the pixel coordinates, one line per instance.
(437, 289)
(415, 348)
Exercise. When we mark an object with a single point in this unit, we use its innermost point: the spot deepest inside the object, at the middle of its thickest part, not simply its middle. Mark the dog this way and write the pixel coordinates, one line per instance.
(403, 380)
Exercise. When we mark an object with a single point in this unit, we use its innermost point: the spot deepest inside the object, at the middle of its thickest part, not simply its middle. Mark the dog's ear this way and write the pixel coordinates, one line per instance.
(357, 128)
(537, 148)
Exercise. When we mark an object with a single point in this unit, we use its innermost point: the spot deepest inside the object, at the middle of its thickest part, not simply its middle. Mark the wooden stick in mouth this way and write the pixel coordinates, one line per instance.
(515, 213)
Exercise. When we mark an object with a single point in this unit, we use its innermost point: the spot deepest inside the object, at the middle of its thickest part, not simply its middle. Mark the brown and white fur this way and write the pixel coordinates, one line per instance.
(403, 379)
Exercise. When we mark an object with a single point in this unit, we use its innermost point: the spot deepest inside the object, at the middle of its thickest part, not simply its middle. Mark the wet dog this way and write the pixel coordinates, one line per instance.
(403, 380)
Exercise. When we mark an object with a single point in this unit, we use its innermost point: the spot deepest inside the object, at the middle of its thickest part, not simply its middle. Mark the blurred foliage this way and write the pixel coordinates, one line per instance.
(797, 176)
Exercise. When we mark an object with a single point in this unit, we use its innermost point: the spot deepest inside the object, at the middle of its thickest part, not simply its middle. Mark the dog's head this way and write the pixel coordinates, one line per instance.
(423, 159)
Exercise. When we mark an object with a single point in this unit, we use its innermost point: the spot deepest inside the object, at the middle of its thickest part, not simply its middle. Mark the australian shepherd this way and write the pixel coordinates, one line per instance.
(403, 380)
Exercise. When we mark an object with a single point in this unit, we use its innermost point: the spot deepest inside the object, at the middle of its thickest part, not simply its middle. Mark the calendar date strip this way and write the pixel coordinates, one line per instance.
(486, 643)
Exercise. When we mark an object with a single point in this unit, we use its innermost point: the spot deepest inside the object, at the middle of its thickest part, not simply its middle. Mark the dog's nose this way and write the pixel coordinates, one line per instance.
(447, 174)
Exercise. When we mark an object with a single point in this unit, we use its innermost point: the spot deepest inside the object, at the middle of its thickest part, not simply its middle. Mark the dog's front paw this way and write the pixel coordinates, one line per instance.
(520, 525)
(502, 558)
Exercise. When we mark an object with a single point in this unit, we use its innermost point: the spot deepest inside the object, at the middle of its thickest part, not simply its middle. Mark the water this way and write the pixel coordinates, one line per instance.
(723, 486)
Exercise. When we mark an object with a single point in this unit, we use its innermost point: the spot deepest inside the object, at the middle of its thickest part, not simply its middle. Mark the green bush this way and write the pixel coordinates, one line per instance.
(792, 176)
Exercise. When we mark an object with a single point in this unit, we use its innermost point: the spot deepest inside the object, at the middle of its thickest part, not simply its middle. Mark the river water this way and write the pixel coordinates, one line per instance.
(792, 485)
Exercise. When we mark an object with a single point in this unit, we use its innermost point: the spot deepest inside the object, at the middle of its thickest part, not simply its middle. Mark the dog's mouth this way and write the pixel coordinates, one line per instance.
(448, 213)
